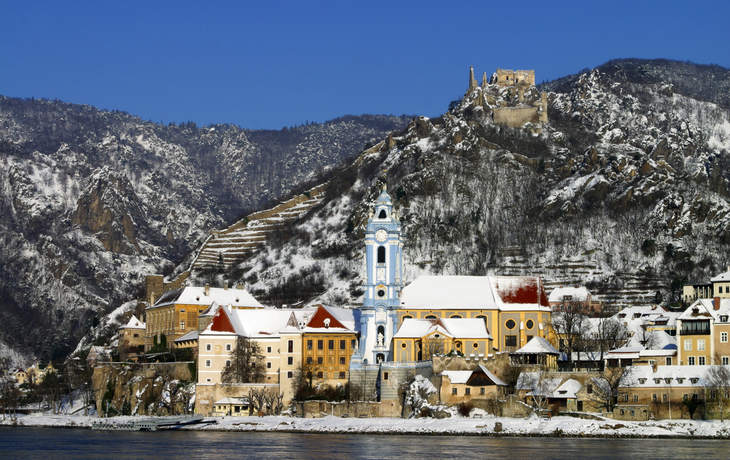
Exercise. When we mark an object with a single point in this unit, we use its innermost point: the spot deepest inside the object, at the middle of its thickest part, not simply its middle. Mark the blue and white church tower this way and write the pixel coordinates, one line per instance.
(383, 281)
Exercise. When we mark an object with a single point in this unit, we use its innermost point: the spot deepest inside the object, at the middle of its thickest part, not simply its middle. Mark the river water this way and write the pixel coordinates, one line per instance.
(60, 443)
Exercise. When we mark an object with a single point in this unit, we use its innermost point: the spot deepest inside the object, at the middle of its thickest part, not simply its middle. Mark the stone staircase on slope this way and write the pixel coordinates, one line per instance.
(225, 248)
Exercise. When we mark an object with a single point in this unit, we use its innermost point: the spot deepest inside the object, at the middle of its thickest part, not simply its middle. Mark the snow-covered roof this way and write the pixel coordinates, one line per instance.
(567, 389)
(533, 382)
(575, 293)
(457, 328)
(195, 295)
(722, 277)
(635, 318)
(538, 345)
(259, 324)
(506, 293)
(332, 319)
(133, 323)
(705, 309)
(192, 335)
(232, 400)
(462, 377)
(457, 377)
(665, 376)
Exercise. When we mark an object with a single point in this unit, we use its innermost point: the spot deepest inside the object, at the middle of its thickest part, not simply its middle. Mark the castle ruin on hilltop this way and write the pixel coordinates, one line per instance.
(497, 97)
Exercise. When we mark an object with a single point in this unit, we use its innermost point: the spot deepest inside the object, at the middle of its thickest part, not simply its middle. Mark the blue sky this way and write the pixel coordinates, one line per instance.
(269, 64)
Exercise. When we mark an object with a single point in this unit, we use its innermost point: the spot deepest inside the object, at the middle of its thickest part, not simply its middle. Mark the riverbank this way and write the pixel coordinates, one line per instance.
(532, 426)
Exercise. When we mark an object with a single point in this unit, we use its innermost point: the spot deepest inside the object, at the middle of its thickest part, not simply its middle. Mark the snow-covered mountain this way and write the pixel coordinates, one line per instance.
(624, 189)
(92, 201)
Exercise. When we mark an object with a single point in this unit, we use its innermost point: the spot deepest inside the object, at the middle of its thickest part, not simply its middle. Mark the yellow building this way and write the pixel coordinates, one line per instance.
(131, 338)
(513, 308)
(329, 340)
(702, 333)
(420, 339)
(176, 312)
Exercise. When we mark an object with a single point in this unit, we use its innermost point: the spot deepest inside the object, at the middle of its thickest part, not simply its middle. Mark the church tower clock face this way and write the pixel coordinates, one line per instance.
(381, 235)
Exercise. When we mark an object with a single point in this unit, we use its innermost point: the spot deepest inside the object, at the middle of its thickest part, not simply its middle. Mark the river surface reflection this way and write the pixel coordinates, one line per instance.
(59, 443)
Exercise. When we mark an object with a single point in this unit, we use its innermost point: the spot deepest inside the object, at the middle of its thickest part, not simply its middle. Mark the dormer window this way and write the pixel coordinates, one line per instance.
(622, 315)
(642, 381)
(680, 379)
(723, 319)
(668, 380)
(326, 322)
(657, 381)
(694, 379)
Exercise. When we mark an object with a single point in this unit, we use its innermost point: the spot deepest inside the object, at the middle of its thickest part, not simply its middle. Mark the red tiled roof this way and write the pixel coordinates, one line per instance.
(521, 290)
(221, 322)
(320, 315)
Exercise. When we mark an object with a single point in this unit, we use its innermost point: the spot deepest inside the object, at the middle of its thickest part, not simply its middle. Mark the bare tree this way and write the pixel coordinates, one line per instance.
(647, 338)
(247, 363)
(570, 324)
(717, 380)
(609, 334)
(258, 399)
(539, 385)
(9, 396)
(612, 382)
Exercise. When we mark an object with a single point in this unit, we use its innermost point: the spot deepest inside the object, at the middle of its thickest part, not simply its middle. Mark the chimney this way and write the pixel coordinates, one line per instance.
(152, 298)
(225, 286)
(716, 303)
(655, 366)
(239, 286)
(207, 289)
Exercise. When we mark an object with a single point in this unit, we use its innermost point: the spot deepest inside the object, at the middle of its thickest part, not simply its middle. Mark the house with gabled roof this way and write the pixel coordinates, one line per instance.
(329, 339)
(703, 330)
(420, 339)
(537, 352)
(176, 312)
(513, 308)
(470, 386)
(131, 339)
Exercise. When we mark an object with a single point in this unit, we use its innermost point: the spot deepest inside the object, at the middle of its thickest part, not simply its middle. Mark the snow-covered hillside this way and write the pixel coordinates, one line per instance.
(625, 189)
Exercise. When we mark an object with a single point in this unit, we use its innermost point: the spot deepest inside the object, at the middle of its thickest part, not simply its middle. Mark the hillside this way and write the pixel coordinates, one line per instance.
(624, 189)
(95, 200)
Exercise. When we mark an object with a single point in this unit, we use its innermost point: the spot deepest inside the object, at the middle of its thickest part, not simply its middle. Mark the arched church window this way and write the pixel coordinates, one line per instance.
(455, 316)
(381, 254)
(431, 317)
(484, 318)
(382, 214)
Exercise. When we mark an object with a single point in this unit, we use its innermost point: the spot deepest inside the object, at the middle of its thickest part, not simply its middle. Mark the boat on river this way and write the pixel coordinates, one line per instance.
(147, 424)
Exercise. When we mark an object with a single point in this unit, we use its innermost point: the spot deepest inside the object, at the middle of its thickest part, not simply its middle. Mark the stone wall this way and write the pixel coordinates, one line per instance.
(354, 409)
(515, 117)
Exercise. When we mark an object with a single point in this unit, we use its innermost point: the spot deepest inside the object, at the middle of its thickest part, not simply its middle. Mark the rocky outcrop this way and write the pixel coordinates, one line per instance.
(109, 208)
(143, 389)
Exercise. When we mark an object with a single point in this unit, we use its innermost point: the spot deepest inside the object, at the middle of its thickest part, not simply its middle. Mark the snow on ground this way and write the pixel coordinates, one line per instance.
(531, 426)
